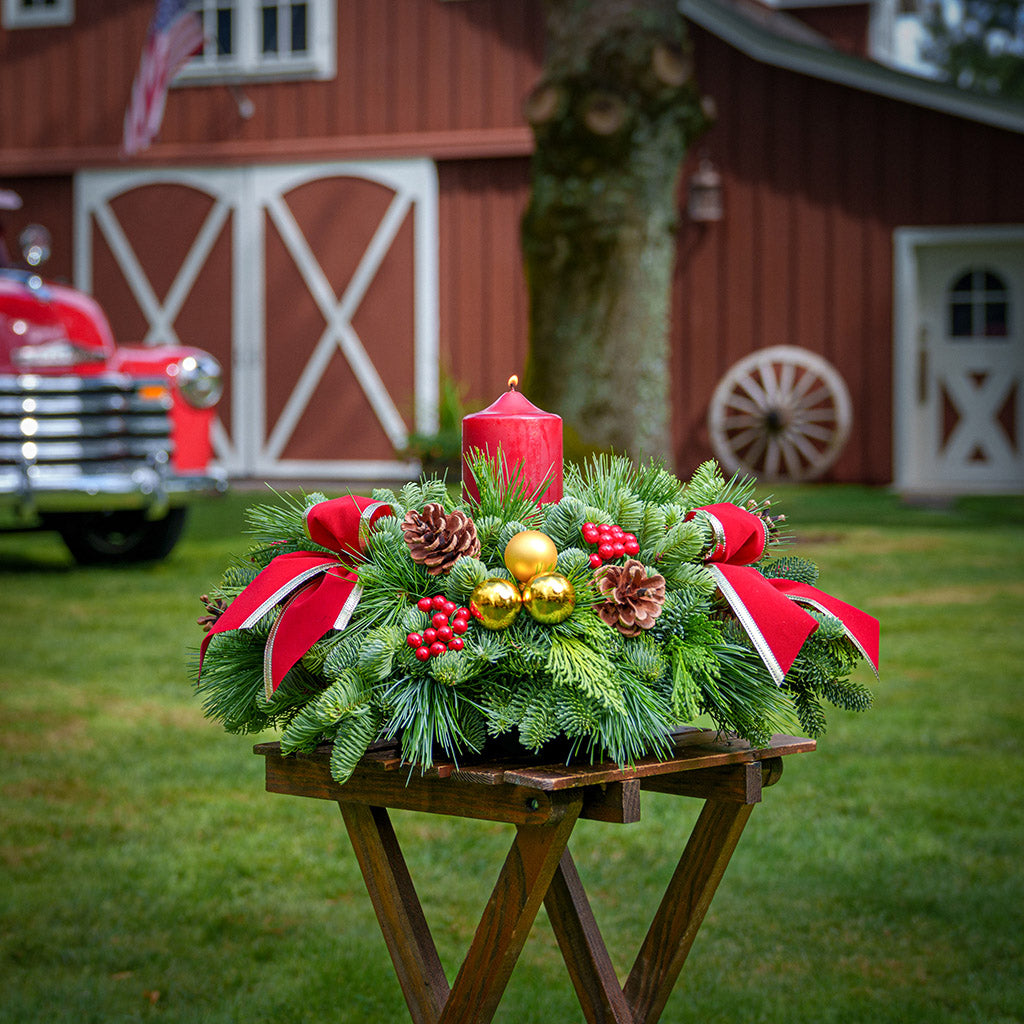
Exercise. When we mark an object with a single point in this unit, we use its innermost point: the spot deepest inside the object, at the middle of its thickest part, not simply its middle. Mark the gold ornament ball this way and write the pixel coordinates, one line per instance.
(495, 603)
(549, 598)
(530, 553)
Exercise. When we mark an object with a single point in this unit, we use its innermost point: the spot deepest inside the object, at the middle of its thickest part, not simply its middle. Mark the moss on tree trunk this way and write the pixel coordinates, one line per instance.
(612, 117)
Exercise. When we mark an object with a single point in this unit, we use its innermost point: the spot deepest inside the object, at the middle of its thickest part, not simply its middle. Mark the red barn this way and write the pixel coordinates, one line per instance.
(332, 208)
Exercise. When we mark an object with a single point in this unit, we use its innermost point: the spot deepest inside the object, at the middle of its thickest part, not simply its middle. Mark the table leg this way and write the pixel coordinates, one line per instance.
(508, 917)
(398, 910)
(683, 907)
(585, 954)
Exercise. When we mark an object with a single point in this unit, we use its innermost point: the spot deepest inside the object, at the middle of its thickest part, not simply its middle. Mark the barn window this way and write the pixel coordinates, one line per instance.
(36, 13)
(268, 39)
(979, 305)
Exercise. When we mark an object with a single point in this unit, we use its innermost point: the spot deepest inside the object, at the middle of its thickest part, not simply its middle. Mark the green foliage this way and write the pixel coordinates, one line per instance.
(441, 449)
(821, 673)
(790, 567)
(317, 719)
(575, 664)
(353, 735)
(466, 575)
(606, 694)
(979, 45)
(502, 493)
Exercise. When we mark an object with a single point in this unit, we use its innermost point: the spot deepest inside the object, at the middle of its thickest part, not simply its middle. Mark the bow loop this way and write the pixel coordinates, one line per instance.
(740, 536)
(344, 524)
(319, 592)
(765, 608)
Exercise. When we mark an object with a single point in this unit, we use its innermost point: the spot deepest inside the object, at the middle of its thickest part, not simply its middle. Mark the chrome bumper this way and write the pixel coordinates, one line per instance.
(31, 491)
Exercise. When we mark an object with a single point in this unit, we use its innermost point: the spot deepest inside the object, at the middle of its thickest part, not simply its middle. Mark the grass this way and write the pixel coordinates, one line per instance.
(145, 874)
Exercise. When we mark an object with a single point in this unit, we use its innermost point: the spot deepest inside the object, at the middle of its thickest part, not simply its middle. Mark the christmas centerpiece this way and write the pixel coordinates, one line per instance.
(598, 606)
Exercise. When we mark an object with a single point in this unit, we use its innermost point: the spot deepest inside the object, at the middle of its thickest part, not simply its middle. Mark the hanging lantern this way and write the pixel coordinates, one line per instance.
(704, 194)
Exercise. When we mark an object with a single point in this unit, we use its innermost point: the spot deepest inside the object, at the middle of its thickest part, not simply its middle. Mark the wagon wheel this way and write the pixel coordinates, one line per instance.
(781, 413)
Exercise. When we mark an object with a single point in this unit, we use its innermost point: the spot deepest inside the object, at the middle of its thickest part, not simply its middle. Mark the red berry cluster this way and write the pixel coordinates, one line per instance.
(612, 542)
(447, 624)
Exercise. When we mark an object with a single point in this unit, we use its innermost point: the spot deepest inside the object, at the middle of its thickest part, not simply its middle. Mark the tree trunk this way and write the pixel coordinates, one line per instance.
(612, 117)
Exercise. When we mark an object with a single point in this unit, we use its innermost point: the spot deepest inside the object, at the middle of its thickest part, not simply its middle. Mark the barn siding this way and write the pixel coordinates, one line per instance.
(803, 255)
(483, 293)
(447, 75)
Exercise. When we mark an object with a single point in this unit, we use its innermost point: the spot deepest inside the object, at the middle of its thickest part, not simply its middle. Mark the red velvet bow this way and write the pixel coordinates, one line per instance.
(764, 607)
(320, 592)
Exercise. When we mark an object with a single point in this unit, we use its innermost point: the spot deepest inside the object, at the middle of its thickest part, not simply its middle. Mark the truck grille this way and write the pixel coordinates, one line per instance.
(62, 424)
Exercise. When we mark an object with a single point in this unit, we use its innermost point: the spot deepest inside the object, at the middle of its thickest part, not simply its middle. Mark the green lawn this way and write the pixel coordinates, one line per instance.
(145, 874)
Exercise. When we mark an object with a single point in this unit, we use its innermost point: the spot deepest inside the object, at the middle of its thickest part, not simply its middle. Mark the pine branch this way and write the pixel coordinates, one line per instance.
(270, 524)
(575, 664)
(641, 728)
(656, 485)
(466, 575)
(354, 735)
(538, 723)
(318, 719)
(503, 494)
(425, 492)
(744, 699)
(645, 660)
(232, 681)
(705, 486)
(425, 713)
(563, 520)
(790, 567)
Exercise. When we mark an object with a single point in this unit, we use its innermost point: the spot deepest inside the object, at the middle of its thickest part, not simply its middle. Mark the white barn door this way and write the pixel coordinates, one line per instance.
(959, 385)
(323, 278)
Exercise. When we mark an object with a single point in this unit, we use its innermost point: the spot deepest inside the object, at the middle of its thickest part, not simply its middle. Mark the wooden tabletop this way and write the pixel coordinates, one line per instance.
(692, 749)
(525, 790)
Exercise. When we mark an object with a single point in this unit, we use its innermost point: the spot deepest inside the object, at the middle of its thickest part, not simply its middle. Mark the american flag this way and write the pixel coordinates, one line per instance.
(175, 34)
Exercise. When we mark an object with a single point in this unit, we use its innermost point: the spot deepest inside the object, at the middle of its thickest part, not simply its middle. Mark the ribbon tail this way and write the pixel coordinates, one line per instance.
(321, 605)
(862, 629)
(282, 577)
(766, 616)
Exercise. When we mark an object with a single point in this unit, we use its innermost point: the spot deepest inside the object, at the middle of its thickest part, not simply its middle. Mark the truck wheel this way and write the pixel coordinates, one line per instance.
(113, 537)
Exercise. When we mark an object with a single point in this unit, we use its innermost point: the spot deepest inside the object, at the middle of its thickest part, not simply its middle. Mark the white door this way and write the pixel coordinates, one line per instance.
(959, 385)
(315, 284)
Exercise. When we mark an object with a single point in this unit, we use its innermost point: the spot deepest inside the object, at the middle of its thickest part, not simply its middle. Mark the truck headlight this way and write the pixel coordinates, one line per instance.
(200, 380)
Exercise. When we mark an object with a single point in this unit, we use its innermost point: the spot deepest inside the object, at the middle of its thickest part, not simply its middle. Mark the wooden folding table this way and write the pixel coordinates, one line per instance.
(544, 802)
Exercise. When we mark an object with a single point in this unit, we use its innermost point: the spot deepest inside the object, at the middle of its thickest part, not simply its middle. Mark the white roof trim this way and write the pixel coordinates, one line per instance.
(760, 43)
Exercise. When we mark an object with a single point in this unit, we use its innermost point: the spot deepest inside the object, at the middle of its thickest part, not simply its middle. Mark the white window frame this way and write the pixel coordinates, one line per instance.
(247, 63)
(16, 15)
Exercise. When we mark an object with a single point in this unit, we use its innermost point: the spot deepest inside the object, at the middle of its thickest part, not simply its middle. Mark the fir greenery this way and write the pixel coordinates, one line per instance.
(579, 682)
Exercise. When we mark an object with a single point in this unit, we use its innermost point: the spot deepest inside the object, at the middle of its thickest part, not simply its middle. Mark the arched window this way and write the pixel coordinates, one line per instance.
(979, 306)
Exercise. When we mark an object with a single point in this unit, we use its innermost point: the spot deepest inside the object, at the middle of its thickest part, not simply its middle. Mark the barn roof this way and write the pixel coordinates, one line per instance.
(775, 38)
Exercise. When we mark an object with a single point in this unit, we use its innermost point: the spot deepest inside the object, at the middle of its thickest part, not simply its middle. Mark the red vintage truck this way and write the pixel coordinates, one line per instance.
(105, 444)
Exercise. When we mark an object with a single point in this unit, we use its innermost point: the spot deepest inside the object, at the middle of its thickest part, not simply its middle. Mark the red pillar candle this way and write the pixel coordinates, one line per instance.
(530, 441)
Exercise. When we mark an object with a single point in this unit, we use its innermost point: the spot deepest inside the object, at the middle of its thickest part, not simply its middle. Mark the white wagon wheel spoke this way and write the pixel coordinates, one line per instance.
(744, 405)
(780, 413)
(816, 433)
(800, 443)
(752, 387)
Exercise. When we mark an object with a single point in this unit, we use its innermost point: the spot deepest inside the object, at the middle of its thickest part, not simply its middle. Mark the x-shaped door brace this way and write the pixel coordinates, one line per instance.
(160, 316)
(339, 333)
(978, 405)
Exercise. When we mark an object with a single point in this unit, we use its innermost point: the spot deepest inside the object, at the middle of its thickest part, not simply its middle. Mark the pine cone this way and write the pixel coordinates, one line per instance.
(437, 541)
(633, 600)
(215, 608)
